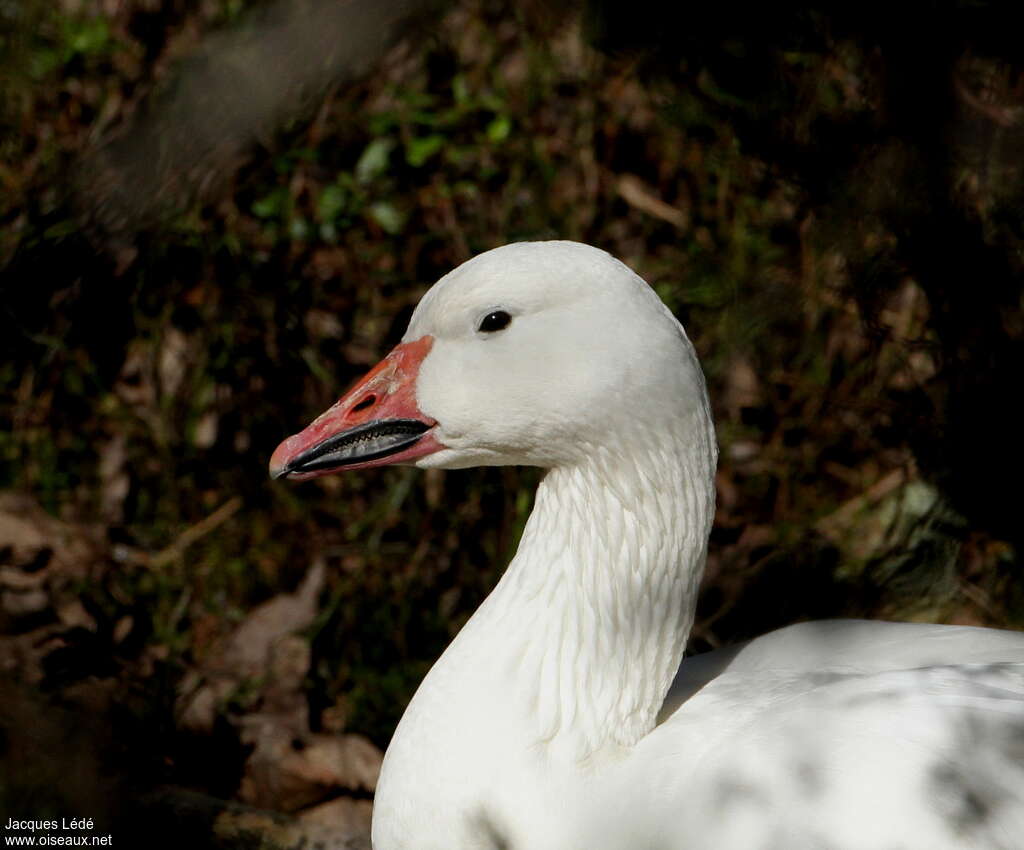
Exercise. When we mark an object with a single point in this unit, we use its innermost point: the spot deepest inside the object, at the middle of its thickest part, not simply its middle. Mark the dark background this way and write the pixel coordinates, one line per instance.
(215, 214)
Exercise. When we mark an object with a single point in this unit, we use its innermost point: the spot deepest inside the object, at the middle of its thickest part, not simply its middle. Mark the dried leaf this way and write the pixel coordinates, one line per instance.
(248, 650)
(114, 479)
(172, 363)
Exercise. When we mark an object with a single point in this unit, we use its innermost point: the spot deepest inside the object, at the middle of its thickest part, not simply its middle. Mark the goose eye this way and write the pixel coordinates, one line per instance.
(496, 321)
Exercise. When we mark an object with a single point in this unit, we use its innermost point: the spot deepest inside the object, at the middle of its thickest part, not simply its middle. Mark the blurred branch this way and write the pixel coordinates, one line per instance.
(193, 533)
(840, 519)
(638, 195)
(235, 90)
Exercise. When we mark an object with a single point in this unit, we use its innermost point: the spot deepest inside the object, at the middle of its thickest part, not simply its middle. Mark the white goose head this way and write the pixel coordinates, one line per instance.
(536, 353)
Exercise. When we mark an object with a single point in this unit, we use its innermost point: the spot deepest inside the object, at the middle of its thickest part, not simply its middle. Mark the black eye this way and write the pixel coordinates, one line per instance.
(496, 321)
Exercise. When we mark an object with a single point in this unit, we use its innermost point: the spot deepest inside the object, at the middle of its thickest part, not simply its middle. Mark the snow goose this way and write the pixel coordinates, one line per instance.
(552, 721)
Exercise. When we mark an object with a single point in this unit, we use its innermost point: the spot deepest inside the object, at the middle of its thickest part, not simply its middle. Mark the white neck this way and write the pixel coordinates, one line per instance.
(593, 613)
(588, 625)
(574, 650)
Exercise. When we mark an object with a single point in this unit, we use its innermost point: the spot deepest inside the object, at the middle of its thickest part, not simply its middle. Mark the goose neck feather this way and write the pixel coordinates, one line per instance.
(594, 611)
(566, 664)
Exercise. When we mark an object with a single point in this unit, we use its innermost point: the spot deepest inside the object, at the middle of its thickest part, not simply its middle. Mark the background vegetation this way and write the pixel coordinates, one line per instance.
(192, 269)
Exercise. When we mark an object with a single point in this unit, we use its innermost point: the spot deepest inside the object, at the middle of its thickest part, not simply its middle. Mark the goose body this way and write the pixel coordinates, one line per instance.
(562, 715)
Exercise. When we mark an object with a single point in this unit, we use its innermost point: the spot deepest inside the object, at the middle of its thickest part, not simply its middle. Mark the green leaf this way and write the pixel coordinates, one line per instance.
(61, 229)
(498, 129)
(42, 63)
(331, 203)
(270, 206)
(387, 216)
(418, 151)
(374, 160)
(460, 89)
(86, 37)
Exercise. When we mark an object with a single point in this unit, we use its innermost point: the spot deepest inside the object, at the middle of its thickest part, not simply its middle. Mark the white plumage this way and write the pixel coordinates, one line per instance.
(546, 723)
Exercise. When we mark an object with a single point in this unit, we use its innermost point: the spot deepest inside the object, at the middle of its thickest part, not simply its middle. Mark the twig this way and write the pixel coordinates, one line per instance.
(193, 533)
(635, 193)
(842, 516)
(1001, 114)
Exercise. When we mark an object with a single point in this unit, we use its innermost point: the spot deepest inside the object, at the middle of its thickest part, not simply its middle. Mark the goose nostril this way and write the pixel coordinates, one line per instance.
(369, 401)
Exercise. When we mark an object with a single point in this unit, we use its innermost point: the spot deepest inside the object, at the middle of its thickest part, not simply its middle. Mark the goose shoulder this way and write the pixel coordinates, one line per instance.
(822, 647)
(931, 758)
